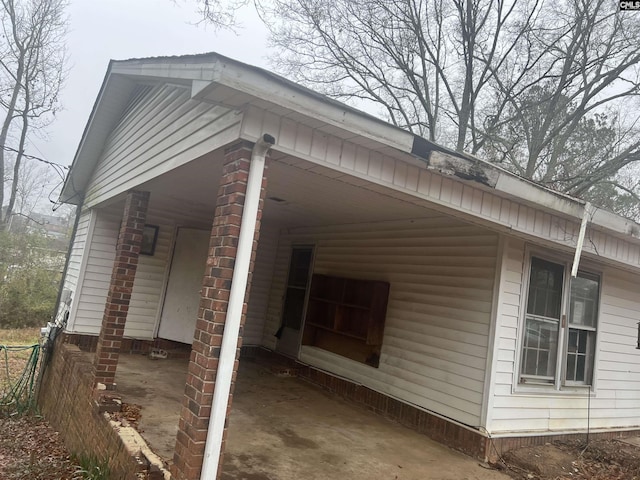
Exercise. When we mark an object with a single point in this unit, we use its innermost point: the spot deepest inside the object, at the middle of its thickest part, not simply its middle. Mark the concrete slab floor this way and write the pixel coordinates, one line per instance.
(282, 428)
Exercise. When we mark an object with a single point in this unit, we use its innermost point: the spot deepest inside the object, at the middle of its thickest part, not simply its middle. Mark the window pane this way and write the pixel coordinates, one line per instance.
(584, 300)
(571, 365)
(540, 348)
(580, 372)
(580, 348)
(545, 288)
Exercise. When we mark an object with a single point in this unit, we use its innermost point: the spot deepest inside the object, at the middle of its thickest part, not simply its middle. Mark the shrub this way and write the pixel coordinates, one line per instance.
(29, 277)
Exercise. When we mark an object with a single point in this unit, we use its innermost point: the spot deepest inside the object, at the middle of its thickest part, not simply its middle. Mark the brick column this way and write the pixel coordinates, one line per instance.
(119, 295)
(216, 285)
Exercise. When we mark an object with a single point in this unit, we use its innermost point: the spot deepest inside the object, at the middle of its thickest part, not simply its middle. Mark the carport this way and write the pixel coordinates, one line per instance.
(284, 428)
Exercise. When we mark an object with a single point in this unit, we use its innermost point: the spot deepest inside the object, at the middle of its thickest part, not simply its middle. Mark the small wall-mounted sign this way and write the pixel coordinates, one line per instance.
(149, 239)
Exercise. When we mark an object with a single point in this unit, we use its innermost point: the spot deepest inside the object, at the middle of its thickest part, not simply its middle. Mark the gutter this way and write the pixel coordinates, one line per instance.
(489, 176)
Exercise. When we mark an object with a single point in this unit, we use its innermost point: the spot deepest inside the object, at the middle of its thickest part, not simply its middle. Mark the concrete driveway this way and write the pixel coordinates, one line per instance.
(283, 428)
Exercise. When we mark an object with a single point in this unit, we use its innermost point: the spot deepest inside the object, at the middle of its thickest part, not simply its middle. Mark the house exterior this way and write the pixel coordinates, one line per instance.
(368, 253)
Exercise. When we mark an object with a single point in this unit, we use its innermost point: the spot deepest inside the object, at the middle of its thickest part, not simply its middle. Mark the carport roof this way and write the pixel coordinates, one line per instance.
(218, 79)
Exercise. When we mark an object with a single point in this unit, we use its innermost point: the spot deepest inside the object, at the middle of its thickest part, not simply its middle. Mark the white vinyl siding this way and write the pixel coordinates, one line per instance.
(615, 399)
(161, 131)
(260, 285)
(89, 310)
(441, 272)
(148, 287)
(77, 251)
(150, 283)
(72, 280)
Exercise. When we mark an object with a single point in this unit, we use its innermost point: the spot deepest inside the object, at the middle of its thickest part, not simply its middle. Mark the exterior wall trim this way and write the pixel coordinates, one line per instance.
(492, 357)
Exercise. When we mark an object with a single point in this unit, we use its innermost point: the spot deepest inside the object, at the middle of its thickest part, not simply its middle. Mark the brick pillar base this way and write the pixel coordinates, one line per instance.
(119, 295)
(216, 285)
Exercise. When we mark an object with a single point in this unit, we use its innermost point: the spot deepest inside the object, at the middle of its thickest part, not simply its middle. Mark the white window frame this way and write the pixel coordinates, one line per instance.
(559, 383)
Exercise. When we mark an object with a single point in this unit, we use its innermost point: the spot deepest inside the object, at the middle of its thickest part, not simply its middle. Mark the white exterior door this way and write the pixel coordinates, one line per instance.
(180, 311)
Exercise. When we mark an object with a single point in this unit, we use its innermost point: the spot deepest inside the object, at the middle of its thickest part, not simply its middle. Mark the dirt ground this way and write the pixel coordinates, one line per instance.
(599, 460)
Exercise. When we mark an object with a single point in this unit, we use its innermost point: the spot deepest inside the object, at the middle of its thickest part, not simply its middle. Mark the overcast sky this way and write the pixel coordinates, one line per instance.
(120, 29)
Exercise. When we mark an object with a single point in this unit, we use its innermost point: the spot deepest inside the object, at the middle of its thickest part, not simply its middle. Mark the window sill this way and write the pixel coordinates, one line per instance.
(544, 390)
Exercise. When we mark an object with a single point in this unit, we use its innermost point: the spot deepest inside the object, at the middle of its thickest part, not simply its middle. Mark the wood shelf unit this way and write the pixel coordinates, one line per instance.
(346, 316)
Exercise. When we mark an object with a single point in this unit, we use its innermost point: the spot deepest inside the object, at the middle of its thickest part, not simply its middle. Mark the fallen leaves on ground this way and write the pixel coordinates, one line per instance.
(30, 448)
(599, 460)
(130, 412)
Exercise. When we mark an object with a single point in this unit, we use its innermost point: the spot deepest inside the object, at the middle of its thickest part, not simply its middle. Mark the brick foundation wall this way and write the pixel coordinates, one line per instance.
(437, 428)
(88, 343)
(65, 400)
(458, 437)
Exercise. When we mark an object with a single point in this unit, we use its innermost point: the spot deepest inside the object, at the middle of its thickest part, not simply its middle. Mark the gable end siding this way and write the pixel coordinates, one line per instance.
(164, 130)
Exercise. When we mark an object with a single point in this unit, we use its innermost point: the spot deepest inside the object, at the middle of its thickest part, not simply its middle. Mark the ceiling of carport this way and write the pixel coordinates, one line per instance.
(299, 193)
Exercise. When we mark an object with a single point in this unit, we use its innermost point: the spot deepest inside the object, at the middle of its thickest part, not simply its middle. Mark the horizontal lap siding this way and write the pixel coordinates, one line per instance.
(441, 274)
(618, 370)
(276, 292)
(77, 252)
(97, 275)
(162, 129)
(75, 267)
(260, 286)
(148, 288)
(616, 401)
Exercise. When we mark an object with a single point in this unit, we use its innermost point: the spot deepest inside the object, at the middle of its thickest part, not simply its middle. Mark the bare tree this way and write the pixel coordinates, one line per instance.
(32, 69)
(220, 14)
(520, 82)
(429, 63)
(573, 122)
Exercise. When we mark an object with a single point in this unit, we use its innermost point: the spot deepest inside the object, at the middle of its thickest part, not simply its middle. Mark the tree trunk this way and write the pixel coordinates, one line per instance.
(19, 156)
(4, 132)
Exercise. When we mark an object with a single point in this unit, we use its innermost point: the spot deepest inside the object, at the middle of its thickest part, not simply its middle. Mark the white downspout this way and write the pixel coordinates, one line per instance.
(580, 243)
(224, 375)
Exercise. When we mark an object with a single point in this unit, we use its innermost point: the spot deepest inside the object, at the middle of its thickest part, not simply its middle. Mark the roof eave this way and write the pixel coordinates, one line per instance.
(208, 71)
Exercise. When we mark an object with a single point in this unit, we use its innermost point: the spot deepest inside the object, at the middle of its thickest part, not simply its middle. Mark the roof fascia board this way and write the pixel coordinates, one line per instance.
(115, 92)
(167, 70)
(73, 196)
(258, 84)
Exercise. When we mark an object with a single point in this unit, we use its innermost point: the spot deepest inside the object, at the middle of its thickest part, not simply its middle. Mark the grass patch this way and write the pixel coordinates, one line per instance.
(19, 336)
(91, 468)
